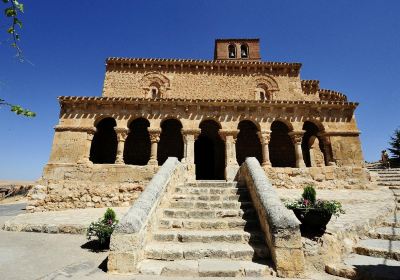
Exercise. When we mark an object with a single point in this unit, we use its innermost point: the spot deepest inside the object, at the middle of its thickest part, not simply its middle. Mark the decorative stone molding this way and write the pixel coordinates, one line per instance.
(154, 134)
(265, 137)
(75, 128)
(225, 133)
(296, 136)
(152, 79)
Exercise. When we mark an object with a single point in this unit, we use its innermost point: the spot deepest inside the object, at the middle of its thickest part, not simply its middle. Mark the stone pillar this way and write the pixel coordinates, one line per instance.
(297, 136)
(265, 137)
(327, 151)
(86, 153)
(154, 139)
(232, 166)
(122, 133)
(189, 136)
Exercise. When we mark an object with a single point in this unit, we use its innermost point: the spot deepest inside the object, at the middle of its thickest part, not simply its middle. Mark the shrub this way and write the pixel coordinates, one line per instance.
(310, 194)
(103, 228)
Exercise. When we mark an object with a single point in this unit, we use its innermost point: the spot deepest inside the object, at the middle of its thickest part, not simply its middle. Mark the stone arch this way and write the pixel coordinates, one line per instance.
(244, 51)
(137, 144)
(171, 140)
(265, 84)
(231, 50)
(209, 152)
(281, 148)
(312, 147)
(155, 81)
(248, 142)
(104, 144)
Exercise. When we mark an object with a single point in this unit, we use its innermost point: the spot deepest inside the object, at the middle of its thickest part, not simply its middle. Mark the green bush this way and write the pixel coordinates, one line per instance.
(309, 194)
(103, 228)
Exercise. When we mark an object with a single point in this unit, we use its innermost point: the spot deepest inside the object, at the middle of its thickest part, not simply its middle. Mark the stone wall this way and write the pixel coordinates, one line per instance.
(326, 177)
(69, 186)
(202, 84)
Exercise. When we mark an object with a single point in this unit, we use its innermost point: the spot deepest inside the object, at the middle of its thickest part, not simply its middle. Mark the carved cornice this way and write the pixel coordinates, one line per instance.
(341, 133)
(331, 95)
(76, 101)
(125, 64)
(90, 130)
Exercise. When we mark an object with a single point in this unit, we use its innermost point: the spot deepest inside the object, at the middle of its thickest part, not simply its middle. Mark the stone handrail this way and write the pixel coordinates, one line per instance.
(280, 226)
(129, 237)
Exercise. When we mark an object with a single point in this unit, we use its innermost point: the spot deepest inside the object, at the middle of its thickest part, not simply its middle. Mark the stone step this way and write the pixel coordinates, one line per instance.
(365, 267)
(389, 183)
(243, 197)
(389, 180)
(389, 175)
(197, 250)
(190, 204)
(208, 236)
(389, 233)
(394, 187)
(207, 214)
(205, 268)
(221, 223)
(212, 184)
(209, 191)
(379, 248)
(393, 220)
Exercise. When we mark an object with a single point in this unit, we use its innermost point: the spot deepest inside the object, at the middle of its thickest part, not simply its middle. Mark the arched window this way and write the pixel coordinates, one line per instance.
(232, 51)
(155, 90)
(262, 92)
(281, 149)
(313, 148)
(104, 143)
(171, 141)
(248, 143)
(244, 51)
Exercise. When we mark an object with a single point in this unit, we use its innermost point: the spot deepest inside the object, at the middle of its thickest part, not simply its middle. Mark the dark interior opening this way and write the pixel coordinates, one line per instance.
(137, 144)
(281, 148)
(209, 152)
(248, 143)
(171, 141)
(310, 130)
(104, 143)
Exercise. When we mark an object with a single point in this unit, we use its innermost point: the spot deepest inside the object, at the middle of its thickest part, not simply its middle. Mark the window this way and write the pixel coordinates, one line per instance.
(232, 51)
(155, 90)
(244, 51)
(262, 92)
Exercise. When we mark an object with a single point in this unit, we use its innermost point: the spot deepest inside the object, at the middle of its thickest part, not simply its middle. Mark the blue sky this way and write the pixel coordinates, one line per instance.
(350, 46)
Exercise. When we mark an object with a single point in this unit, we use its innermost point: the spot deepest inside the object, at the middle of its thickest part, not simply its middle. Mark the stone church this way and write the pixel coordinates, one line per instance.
(211, 115)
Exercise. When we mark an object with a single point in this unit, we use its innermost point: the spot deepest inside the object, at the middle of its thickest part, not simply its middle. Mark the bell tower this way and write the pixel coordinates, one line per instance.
(237, 49)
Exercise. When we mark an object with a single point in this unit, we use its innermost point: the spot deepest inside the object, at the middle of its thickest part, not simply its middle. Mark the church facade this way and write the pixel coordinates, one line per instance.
(211, 115)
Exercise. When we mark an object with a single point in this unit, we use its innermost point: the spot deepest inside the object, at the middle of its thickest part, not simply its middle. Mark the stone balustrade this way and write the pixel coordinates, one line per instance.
(129, 237)
(280, 226)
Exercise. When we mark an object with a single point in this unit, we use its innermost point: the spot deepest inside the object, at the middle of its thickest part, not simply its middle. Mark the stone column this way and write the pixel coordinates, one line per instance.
(327, 152)
(189, 136)
(297, 136)
(265, 137)
(86, 153)
(232, 166)
(154, 139)
(122, 133)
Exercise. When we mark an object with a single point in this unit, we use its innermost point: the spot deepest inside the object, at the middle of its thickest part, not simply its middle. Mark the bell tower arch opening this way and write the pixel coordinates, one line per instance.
(209, 152)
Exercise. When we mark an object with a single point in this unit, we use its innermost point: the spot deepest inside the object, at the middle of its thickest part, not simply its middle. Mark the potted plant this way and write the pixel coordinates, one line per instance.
(314, 214)
(103, 228)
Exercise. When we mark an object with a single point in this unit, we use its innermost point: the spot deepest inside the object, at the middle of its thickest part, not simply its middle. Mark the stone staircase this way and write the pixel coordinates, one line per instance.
(207, 229)
(377, 257)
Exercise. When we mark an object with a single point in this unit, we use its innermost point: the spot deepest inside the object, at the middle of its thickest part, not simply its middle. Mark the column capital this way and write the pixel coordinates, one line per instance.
(297, 136)
(228, 132)
(154, 134)
(191, 131)
(264, 136)
(90, 133)
(122, 133)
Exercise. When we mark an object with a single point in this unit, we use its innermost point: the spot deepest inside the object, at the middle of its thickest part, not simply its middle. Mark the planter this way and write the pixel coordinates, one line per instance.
(313, 219)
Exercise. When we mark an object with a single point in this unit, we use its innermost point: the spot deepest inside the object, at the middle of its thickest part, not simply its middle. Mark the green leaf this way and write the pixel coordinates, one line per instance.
(18, 22)
(10, 12)
(10, 30)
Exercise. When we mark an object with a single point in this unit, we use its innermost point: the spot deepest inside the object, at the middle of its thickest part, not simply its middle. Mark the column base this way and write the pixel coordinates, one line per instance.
(152, 162)
(121, 161)
(266, 164)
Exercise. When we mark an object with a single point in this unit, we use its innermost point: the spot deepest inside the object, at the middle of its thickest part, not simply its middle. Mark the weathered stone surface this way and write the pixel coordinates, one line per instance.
(379, 248)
